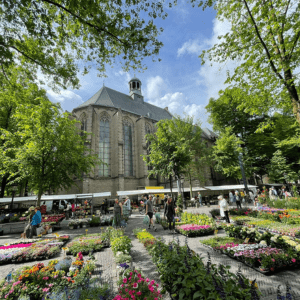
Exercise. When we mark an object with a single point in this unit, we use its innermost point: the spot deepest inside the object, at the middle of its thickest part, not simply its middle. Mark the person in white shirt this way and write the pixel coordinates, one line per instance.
(251, 196)
(231, 197)
(223, 208)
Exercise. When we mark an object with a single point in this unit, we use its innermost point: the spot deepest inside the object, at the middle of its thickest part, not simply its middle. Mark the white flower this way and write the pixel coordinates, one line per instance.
(263, 243)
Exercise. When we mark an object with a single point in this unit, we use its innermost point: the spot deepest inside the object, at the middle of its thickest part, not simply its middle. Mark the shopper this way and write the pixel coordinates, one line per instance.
(118, 212)
(36, 221)
(27, 228)
(200, 198)
(149, 212)
(223, 208)
(170, 214)
(231, 198)
(237, 199)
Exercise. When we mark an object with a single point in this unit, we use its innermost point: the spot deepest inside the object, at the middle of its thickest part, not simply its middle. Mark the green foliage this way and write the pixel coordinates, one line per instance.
(95, 221)
(18, 89)
(53, 152)
(218, 241)
(264, 38)
(121, 244)
(280, 170)
(179, 203)
(57, 35)
(225, 153)
(173, 146)
(123, 258)
(184, 275)
(259, 135)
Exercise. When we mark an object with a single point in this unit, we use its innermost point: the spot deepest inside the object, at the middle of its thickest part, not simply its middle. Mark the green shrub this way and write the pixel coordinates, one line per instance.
(122, 244)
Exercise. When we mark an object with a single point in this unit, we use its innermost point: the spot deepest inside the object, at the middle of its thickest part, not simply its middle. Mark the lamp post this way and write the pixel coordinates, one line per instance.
(14, 188)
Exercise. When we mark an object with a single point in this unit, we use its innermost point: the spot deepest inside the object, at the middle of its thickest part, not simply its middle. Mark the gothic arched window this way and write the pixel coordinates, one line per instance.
(128, 148)
(104, 147)
(83, 121)
(148, 131)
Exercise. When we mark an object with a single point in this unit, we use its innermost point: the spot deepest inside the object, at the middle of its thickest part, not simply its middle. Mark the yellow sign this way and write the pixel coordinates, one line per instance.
(246, 241)
(216, 232)
(161, 196)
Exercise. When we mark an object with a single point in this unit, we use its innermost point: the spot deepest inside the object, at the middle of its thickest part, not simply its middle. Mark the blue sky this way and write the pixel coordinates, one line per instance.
(178, 81)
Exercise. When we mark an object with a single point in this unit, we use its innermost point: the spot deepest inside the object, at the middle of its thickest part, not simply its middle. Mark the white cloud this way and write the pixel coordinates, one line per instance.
(155, 87)
(191, 47)
(64, 96)
(212, 75)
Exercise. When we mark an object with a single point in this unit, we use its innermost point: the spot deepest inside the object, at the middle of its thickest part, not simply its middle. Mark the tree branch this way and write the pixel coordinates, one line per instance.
(287, 7)
(263, 44)
(30, 58)
(296, 41)
(86, 22)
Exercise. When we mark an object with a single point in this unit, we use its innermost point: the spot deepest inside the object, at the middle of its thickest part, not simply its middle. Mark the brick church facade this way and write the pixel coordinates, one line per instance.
(119, 124)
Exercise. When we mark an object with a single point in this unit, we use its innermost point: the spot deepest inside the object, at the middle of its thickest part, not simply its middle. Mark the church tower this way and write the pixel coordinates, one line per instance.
(135, 89)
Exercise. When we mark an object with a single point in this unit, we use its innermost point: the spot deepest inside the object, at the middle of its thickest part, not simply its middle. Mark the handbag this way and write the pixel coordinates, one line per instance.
(123, 223)
(146, 220)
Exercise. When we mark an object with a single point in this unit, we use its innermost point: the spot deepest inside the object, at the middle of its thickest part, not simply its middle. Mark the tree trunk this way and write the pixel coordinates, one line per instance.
(40, 193)
(191, 187)
(3, 185)
(170, 179)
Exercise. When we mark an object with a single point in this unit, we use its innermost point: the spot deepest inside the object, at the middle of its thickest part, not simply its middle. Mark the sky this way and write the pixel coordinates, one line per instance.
(179, 81)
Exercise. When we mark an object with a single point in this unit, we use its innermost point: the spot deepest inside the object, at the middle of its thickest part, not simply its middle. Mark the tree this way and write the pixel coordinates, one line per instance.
(200, 158)
(225, 154)
(280, 170)
(174, 147)
(53, 36)
(54, 153)
(264, 38)
(260, 135)
(16, 89)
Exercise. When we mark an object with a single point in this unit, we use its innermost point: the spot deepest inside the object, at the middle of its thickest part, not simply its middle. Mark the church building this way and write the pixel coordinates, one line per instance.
(119, 124)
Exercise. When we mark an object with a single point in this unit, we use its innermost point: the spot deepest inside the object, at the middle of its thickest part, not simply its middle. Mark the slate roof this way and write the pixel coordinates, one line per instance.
(111, 98)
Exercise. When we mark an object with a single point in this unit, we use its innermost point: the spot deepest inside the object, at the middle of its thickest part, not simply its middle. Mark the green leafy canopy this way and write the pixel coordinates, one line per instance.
(53, 36)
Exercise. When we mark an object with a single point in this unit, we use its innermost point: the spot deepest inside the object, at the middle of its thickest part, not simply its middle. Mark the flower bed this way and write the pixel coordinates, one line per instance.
(87, 243)
(53, 219)
(178, 265)
(41, 249)
(199, 219)
(133, 285)
(192, 230)
(39, 280)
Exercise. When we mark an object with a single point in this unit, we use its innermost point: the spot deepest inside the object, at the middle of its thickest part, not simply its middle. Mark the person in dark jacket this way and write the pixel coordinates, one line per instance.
(170, 213)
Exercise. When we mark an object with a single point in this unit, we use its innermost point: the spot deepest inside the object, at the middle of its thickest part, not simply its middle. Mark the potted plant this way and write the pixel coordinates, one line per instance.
(95, 221)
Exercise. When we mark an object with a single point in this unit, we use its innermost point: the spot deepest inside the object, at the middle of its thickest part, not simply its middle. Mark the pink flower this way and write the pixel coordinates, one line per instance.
(130, 273)
(46, 290)
(273, 259)
(293, 260)
(50, 285)
(138, 293)
(124, 280)
(147, 279)
(135, 285)
(45, 278)
(139, 280)
(152, 282)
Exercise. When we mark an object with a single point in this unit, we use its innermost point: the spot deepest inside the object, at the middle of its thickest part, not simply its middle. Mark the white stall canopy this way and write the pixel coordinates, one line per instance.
(55, 197)
(230, 187)
(158, 191)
